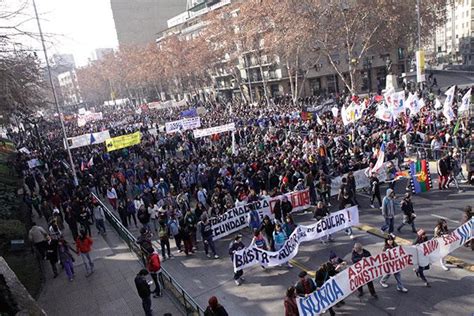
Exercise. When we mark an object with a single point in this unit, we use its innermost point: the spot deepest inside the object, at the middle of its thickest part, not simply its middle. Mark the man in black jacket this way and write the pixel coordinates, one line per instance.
(144, 290)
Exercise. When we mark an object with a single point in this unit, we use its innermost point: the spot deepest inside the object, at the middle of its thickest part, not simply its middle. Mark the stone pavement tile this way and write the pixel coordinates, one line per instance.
(115, 307)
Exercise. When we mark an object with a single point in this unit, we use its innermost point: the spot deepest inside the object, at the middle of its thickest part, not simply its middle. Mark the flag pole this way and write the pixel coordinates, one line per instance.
(55, 96)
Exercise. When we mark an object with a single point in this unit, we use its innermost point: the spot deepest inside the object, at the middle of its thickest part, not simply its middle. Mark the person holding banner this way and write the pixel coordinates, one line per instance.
(389, 244)
(358, 253)
(441, 230)
(345, 197)
(305, 285)
(279, 239)
(421, 238)
(324, 273)
(236, 245)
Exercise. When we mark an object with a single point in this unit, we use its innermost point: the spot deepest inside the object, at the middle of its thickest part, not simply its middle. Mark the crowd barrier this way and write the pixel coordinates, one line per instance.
(185, 299)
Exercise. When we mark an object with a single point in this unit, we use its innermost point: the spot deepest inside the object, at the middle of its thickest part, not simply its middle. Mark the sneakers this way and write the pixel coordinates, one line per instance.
(208, 255)
(445, 268)
(372, 206)
(216, 257)
(238, 282)
(180, 251)
(383, 284)
(289, 265)
(351, 236)
(427, 284)
(402, 289)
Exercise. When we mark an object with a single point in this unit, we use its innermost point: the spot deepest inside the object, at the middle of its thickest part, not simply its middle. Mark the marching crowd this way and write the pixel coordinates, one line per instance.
(170, 185)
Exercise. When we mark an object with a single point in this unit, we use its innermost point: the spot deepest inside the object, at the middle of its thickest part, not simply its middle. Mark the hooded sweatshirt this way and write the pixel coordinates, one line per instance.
(388, 205)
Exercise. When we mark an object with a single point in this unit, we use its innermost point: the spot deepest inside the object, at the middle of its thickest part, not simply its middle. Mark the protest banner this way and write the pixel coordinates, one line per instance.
(213, 130)
(34, 163)
(361, 179)
(183, 125)
(123, 141)
(24, 150)
(235, 219)
(87, 139)
(331, 224)
(388, 262)
(88, 117)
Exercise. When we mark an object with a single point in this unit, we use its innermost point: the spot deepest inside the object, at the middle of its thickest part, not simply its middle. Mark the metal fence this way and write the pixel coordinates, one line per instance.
(190, 305)
(424, 151)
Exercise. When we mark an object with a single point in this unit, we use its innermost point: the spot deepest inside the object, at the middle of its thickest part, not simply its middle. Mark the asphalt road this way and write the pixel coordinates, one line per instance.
(452, 292)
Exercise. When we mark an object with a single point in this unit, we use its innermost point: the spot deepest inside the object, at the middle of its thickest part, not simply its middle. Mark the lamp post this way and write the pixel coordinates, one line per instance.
(55, 96)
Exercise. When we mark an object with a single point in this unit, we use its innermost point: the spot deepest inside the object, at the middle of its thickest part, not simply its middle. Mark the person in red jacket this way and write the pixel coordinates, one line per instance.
(154, 267)
(84, 247)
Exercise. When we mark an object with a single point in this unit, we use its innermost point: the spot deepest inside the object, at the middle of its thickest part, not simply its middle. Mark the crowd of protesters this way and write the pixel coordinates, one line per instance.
(171, 184)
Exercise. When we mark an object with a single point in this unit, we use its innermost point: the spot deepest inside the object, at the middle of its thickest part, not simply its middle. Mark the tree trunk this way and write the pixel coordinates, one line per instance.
(290, 77)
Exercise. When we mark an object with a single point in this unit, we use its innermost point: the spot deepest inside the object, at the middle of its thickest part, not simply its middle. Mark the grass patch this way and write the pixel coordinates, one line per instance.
(26, 268)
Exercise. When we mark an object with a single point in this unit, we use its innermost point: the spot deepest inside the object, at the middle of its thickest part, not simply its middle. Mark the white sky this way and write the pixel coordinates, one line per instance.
(77, 26)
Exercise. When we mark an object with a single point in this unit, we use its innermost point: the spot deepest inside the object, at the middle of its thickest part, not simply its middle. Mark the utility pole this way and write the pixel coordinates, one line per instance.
(55, 96)
(418, 23)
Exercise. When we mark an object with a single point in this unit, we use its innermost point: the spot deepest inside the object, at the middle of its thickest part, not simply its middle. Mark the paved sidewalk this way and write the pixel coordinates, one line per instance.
(109, 291)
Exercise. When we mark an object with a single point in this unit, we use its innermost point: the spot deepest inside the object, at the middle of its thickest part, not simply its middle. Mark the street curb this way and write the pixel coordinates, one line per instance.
(401, 241)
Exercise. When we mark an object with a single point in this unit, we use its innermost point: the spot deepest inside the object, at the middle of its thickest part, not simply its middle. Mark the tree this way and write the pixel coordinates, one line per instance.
(346, 31)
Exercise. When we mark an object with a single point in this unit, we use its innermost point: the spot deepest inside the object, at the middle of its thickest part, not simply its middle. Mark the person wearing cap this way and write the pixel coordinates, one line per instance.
(234, 246)
(305, 285)
(421, 238)
(143, 289)
(389, 244)
(214, 308)
(358, 253)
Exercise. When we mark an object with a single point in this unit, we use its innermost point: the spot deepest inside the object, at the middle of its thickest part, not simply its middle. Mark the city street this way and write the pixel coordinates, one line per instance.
(452, 292)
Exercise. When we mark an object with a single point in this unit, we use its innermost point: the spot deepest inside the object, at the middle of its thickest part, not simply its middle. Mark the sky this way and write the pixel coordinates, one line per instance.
(77, 27)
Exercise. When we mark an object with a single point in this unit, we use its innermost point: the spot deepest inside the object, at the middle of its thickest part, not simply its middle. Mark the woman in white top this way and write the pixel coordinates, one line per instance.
(112, 197)
(153, 211)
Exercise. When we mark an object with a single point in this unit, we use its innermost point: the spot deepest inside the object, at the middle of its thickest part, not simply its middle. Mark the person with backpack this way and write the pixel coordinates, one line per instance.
(234, 246)
(144, 241)
(154, 267)
(66, 258)
(408, 213)
(176, 231)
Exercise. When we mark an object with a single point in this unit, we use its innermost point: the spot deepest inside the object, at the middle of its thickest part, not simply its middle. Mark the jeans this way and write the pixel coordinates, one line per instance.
(388, 225)
(397, 277)
(68, 266)
(146, 303)
(99, 223)
(165, 245)
(422, 274)
(406, 222)
(157, 279)
(208, 242)
(86, 258)
(376, 195)
(177, 239)
(155, 224)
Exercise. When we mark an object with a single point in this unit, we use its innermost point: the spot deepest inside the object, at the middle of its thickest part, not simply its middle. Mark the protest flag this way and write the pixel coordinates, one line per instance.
(409, 125)
(466, 99)
(318, 119)
(420, 180)
(456, 127)
(90, 163)
(92, 138)
(380, 158)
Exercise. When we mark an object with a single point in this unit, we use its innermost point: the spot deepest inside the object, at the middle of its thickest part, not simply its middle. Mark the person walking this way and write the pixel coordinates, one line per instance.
(268, 227)
(291, 309)
(143, 289)
(345, 198)
(52, 253)
(374, 190)
(214, 308)
(234, 246)
(408, 213)
(441, 230)
(176, 231)
(443, 173)
(358, 253)
(66, 258)
(421, 238)
(38, 236)
(99, 218)
(83, 248)
(112, 197)
(206, 234)
(324, 273)
(163, 234)
(305, 285)
(254, 220)
(279, 239)
(154, 267)
(388, 211)
(389, 244)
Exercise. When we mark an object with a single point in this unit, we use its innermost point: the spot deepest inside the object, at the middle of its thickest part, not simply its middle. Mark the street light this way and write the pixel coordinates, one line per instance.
(55, 96)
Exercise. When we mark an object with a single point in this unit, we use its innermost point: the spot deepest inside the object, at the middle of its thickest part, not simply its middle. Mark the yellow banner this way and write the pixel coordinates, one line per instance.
(122, 141)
